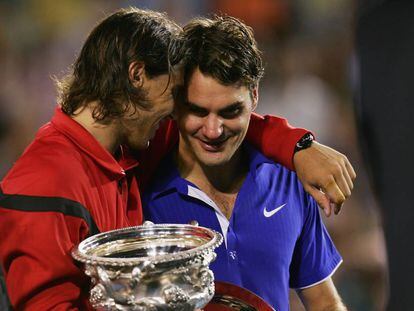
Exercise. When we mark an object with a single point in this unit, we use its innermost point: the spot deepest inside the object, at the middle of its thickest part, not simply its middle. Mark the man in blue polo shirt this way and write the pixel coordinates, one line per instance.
(274, 236)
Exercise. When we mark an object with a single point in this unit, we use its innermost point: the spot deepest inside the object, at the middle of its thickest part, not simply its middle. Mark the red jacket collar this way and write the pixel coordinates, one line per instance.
(85, 141)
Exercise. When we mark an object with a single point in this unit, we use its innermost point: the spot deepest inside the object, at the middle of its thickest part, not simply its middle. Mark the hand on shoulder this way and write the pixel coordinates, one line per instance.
(326, 174)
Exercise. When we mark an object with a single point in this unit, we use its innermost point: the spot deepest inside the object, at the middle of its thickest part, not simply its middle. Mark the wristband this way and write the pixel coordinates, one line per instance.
(304, 143)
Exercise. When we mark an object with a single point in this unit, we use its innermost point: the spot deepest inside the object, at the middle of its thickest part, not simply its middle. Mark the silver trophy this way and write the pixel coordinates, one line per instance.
(150, 267)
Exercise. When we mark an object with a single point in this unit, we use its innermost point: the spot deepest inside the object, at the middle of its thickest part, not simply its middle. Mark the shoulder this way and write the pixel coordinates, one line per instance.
(275, 178)
(50, 165)
(50, 176)
(278, 176)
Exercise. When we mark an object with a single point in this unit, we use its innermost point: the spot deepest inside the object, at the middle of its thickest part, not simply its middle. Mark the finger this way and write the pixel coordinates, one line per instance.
(322, 200)
(338, 180)
(334, 193)
(336, 197)
(342, 182)
(348, 172)
(348, 179)
(350, 169)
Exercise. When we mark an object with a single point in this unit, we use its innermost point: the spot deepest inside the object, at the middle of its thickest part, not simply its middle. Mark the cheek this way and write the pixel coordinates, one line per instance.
(189, 124)
(163, 110)
(239, 125)
(169, 105)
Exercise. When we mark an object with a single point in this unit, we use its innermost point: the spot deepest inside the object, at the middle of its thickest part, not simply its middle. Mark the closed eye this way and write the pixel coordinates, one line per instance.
(232, 111)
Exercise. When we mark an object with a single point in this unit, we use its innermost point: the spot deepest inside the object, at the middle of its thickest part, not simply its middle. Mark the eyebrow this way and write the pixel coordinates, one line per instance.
(228, 108)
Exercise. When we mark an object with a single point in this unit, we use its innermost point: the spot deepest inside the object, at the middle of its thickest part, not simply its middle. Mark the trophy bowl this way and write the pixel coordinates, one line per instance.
(150, 267)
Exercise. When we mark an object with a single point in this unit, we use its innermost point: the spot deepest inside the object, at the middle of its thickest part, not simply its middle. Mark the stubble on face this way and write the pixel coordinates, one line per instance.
(140, 126)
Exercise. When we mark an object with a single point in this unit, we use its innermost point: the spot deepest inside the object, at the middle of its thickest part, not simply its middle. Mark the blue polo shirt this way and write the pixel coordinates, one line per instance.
(275, 238)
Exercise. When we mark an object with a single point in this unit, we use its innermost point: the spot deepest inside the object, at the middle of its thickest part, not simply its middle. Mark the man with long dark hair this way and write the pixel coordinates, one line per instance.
(78, 177)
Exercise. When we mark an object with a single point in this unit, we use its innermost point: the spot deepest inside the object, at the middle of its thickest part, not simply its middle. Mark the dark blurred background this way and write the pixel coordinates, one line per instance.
(308, 51)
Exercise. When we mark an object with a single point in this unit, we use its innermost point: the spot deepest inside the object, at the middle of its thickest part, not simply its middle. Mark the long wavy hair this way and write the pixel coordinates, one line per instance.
(100, 73)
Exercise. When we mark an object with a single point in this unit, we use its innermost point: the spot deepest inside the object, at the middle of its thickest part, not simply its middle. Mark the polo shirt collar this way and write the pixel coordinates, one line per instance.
(89, 145)
(170, 179)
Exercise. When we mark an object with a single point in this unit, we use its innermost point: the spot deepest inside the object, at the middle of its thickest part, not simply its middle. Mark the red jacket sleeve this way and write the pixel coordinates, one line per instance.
(274, 136)
(35, 253)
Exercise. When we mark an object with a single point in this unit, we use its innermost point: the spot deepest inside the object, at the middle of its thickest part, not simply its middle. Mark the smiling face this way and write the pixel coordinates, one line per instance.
(213, 120)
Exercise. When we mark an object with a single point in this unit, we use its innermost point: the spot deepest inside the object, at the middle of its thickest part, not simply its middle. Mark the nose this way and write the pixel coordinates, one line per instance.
(212, 127)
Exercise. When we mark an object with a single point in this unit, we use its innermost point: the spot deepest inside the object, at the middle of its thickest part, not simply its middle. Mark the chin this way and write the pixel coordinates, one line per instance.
(139, 145)
(212, 161)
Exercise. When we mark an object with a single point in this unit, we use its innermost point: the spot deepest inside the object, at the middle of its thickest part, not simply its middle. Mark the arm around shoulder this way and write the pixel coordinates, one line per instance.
(275, 137)
(325, 173)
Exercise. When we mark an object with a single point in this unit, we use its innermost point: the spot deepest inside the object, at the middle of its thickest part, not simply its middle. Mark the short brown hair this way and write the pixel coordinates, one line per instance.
(100, 72)
(224, 48)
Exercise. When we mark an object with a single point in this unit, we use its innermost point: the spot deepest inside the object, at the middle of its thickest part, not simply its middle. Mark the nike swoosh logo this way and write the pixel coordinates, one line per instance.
(268, 214)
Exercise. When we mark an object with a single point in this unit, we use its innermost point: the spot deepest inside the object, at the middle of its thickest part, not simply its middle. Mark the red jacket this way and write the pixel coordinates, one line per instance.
(66, 187)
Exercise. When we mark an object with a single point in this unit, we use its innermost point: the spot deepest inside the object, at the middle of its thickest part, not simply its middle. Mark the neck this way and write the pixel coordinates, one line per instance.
(105, 133)
(226, 178)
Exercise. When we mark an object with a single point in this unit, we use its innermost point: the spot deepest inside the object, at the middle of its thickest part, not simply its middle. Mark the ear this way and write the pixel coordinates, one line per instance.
(136, 72)
(255, 97)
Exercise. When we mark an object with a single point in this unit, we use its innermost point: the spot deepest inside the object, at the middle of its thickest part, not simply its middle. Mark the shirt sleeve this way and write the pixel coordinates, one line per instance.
(35, 252)
(272, 135)
(315, 257)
